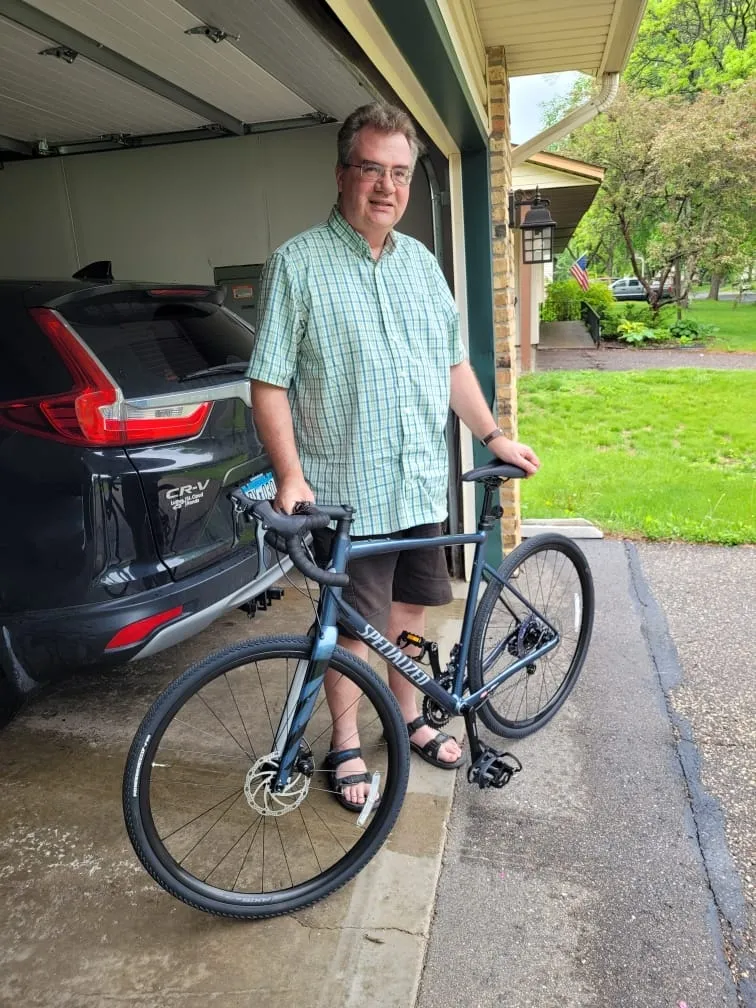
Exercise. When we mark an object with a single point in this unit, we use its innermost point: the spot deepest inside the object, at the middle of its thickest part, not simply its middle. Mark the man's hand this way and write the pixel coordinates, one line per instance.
(291, 492)
(515, 453)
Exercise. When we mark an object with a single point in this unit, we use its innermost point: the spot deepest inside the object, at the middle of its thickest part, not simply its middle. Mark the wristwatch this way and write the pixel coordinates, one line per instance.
(496, 432)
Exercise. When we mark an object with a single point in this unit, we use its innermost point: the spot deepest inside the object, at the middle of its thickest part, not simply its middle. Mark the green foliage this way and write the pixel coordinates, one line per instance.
(635, 332)
(688, 46)
(611, 320)
(599, 297)
(689, 330)
(562, 302)
(564, 298)
(677, 146)
(680, 178)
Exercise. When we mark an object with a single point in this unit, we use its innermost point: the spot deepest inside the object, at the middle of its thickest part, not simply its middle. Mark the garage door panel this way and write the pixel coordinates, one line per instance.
(275, 36)
(151, 33)
(44, 97)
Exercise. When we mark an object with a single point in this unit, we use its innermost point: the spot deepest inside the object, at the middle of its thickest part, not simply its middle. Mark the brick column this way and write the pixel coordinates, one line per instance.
(503, 279)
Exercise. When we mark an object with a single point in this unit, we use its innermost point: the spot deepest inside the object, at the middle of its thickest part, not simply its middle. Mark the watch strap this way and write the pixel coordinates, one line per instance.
(497, 432)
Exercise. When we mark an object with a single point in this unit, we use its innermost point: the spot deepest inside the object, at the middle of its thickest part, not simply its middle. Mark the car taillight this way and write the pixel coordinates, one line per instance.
(94, 412)
(133, 633)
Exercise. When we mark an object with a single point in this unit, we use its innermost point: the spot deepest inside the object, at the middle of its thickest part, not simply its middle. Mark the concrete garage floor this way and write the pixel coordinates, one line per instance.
(84, 925)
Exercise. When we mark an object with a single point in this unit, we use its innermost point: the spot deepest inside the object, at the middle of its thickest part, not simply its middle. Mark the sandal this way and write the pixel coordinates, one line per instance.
(333, 760)
(429, 752)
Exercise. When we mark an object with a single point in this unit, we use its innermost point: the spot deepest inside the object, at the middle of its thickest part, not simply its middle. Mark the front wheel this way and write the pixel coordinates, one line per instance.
(198, 809)
(542, 589)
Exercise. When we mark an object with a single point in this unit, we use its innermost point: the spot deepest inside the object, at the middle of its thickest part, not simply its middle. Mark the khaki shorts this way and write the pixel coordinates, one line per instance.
(415, 577)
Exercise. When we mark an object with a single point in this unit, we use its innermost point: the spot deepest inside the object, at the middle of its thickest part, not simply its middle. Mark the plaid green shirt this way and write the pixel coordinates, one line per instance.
(364, 349)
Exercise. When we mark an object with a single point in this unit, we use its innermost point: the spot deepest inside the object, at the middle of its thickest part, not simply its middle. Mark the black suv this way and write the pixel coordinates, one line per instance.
(124, 423)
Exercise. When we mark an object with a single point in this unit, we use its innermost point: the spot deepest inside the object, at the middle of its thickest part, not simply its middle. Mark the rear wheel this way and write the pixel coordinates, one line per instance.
(547, 588)
(198, 809)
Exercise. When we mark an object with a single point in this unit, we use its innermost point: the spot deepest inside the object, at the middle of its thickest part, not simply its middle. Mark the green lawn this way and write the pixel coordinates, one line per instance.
(659, 454)
(736, 322)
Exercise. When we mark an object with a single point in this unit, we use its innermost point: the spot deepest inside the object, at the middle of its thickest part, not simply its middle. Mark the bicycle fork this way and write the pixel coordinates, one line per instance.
(299, 707)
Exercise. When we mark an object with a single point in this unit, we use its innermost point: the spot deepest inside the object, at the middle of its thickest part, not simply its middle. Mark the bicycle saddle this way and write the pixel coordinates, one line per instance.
(494, 470)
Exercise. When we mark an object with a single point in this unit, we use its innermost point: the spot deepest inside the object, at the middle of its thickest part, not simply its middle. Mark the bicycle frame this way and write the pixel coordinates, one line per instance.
(333, 609)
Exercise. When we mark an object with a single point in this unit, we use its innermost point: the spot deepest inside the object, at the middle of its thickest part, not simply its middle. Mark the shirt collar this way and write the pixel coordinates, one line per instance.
(344, 230)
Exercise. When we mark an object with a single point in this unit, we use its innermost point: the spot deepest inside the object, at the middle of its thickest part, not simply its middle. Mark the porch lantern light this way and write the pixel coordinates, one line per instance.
(537, 227)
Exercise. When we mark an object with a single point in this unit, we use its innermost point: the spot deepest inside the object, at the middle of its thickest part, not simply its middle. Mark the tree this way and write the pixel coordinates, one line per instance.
(679, 172)
(688, 46)
(676, 147)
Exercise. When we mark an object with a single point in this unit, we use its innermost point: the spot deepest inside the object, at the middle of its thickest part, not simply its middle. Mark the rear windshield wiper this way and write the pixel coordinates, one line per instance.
(240, 367)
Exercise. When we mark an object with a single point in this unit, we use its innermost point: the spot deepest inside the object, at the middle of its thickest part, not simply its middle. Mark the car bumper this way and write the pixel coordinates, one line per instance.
(39, 647)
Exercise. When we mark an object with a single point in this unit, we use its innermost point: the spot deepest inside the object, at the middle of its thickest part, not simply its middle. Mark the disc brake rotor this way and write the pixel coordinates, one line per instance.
(258, 788)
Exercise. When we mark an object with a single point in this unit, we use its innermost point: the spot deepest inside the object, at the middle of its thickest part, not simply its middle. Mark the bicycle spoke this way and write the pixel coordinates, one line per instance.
(542, 592)
(212, 810)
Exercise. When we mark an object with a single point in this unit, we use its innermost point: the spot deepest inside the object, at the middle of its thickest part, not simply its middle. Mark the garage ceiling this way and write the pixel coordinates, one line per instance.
(129, 72)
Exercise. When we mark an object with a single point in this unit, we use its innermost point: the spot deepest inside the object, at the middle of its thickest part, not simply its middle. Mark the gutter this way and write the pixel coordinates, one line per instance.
(578, 117)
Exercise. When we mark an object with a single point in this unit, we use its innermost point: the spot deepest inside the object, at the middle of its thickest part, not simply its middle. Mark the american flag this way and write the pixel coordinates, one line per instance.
(579, 271)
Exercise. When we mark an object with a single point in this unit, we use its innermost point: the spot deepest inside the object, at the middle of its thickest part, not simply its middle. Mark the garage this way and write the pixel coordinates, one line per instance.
(105, 124)
(167, 146)
(135, 92)
(180, 144)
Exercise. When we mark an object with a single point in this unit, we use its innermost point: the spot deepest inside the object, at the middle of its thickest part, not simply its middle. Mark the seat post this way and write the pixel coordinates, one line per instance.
(489, 512)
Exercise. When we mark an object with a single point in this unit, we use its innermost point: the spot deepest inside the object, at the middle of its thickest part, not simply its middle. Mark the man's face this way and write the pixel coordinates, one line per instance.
(374, 207)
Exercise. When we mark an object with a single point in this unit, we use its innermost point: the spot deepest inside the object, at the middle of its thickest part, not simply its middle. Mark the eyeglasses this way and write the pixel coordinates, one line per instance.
(372, 172)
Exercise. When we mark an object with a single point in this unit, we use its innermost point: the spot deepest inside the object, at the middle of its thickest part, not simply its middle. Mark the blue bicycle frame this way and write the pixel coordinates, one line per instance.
(333, 609)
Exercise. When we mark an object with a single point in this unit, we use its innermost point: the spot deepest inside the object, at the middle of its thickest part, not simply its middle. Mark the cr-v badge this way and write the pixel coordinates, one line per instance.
(185, 496)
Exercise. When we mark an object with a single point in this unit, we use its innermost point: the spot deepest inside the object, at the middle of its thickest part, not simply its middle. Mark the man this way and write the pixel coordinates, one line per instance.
(356, 362)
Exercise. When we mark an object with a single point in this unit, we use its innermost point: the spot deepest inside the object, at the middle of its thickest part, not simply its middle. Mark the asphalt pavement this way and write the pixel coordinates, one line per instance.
(617, 869)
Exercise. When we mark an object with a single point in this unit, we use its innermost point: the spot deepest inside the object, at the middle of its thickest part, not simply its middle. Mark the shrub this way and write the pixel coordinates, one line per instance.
(611, 320)
(564, 297)
(636, 332)
(562, 302)
(689, 330)
(634, 311)
(639, 311)
(600, 298)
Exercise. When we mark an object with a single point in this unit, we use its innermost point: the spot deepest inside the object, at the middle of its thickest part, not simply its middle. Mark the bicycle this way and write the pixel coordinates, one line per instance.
(248, 829)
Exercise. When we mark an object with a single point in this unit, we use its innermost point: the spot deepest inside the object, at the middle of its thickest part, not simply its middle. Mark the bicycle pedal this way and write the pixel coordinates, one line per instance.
(406, 639)
(493, 768)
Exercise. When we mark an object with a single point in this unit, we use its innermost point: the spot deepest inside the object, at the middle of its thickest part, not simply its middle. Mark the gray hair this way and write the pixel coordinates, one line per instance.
(380, 117)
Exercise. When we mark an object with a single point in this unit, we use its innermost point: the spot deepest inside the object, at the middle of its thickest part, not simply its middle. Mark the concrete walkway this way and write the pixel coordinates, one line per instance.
(84, 926)
(605, 875)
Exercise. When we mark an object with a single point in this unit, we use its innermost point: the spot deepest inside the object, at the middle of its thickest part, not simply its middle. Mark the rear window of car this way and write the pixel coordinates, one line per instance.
(152, 345)
(29, 364)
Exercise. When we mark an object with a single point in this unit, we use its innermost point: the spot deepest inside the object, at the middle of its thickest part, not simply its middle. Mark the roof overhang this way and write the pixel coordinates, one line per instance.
(568, 184)
(591, 36)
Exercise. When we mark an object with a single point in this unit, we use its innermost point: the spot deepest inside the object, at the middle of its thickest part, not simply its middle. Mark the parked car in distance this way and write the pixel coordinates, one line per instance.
(628, 289)
(124, 423)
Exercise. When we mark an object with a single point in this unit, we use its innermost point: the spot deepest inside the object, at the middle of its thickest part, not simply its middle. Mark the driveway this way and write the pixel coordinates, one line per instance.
(614, 357)
(618, 869)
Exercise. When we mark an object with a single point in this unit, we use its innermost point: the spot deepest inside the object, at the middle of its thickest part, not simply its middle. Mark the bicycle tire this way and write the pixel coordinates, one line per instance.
(503, 628)
(178, 719)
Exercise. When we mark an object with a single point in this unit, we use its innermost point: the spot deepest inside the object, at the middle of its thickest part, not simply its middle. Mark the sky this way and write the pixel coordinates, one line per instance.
(526, 97)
